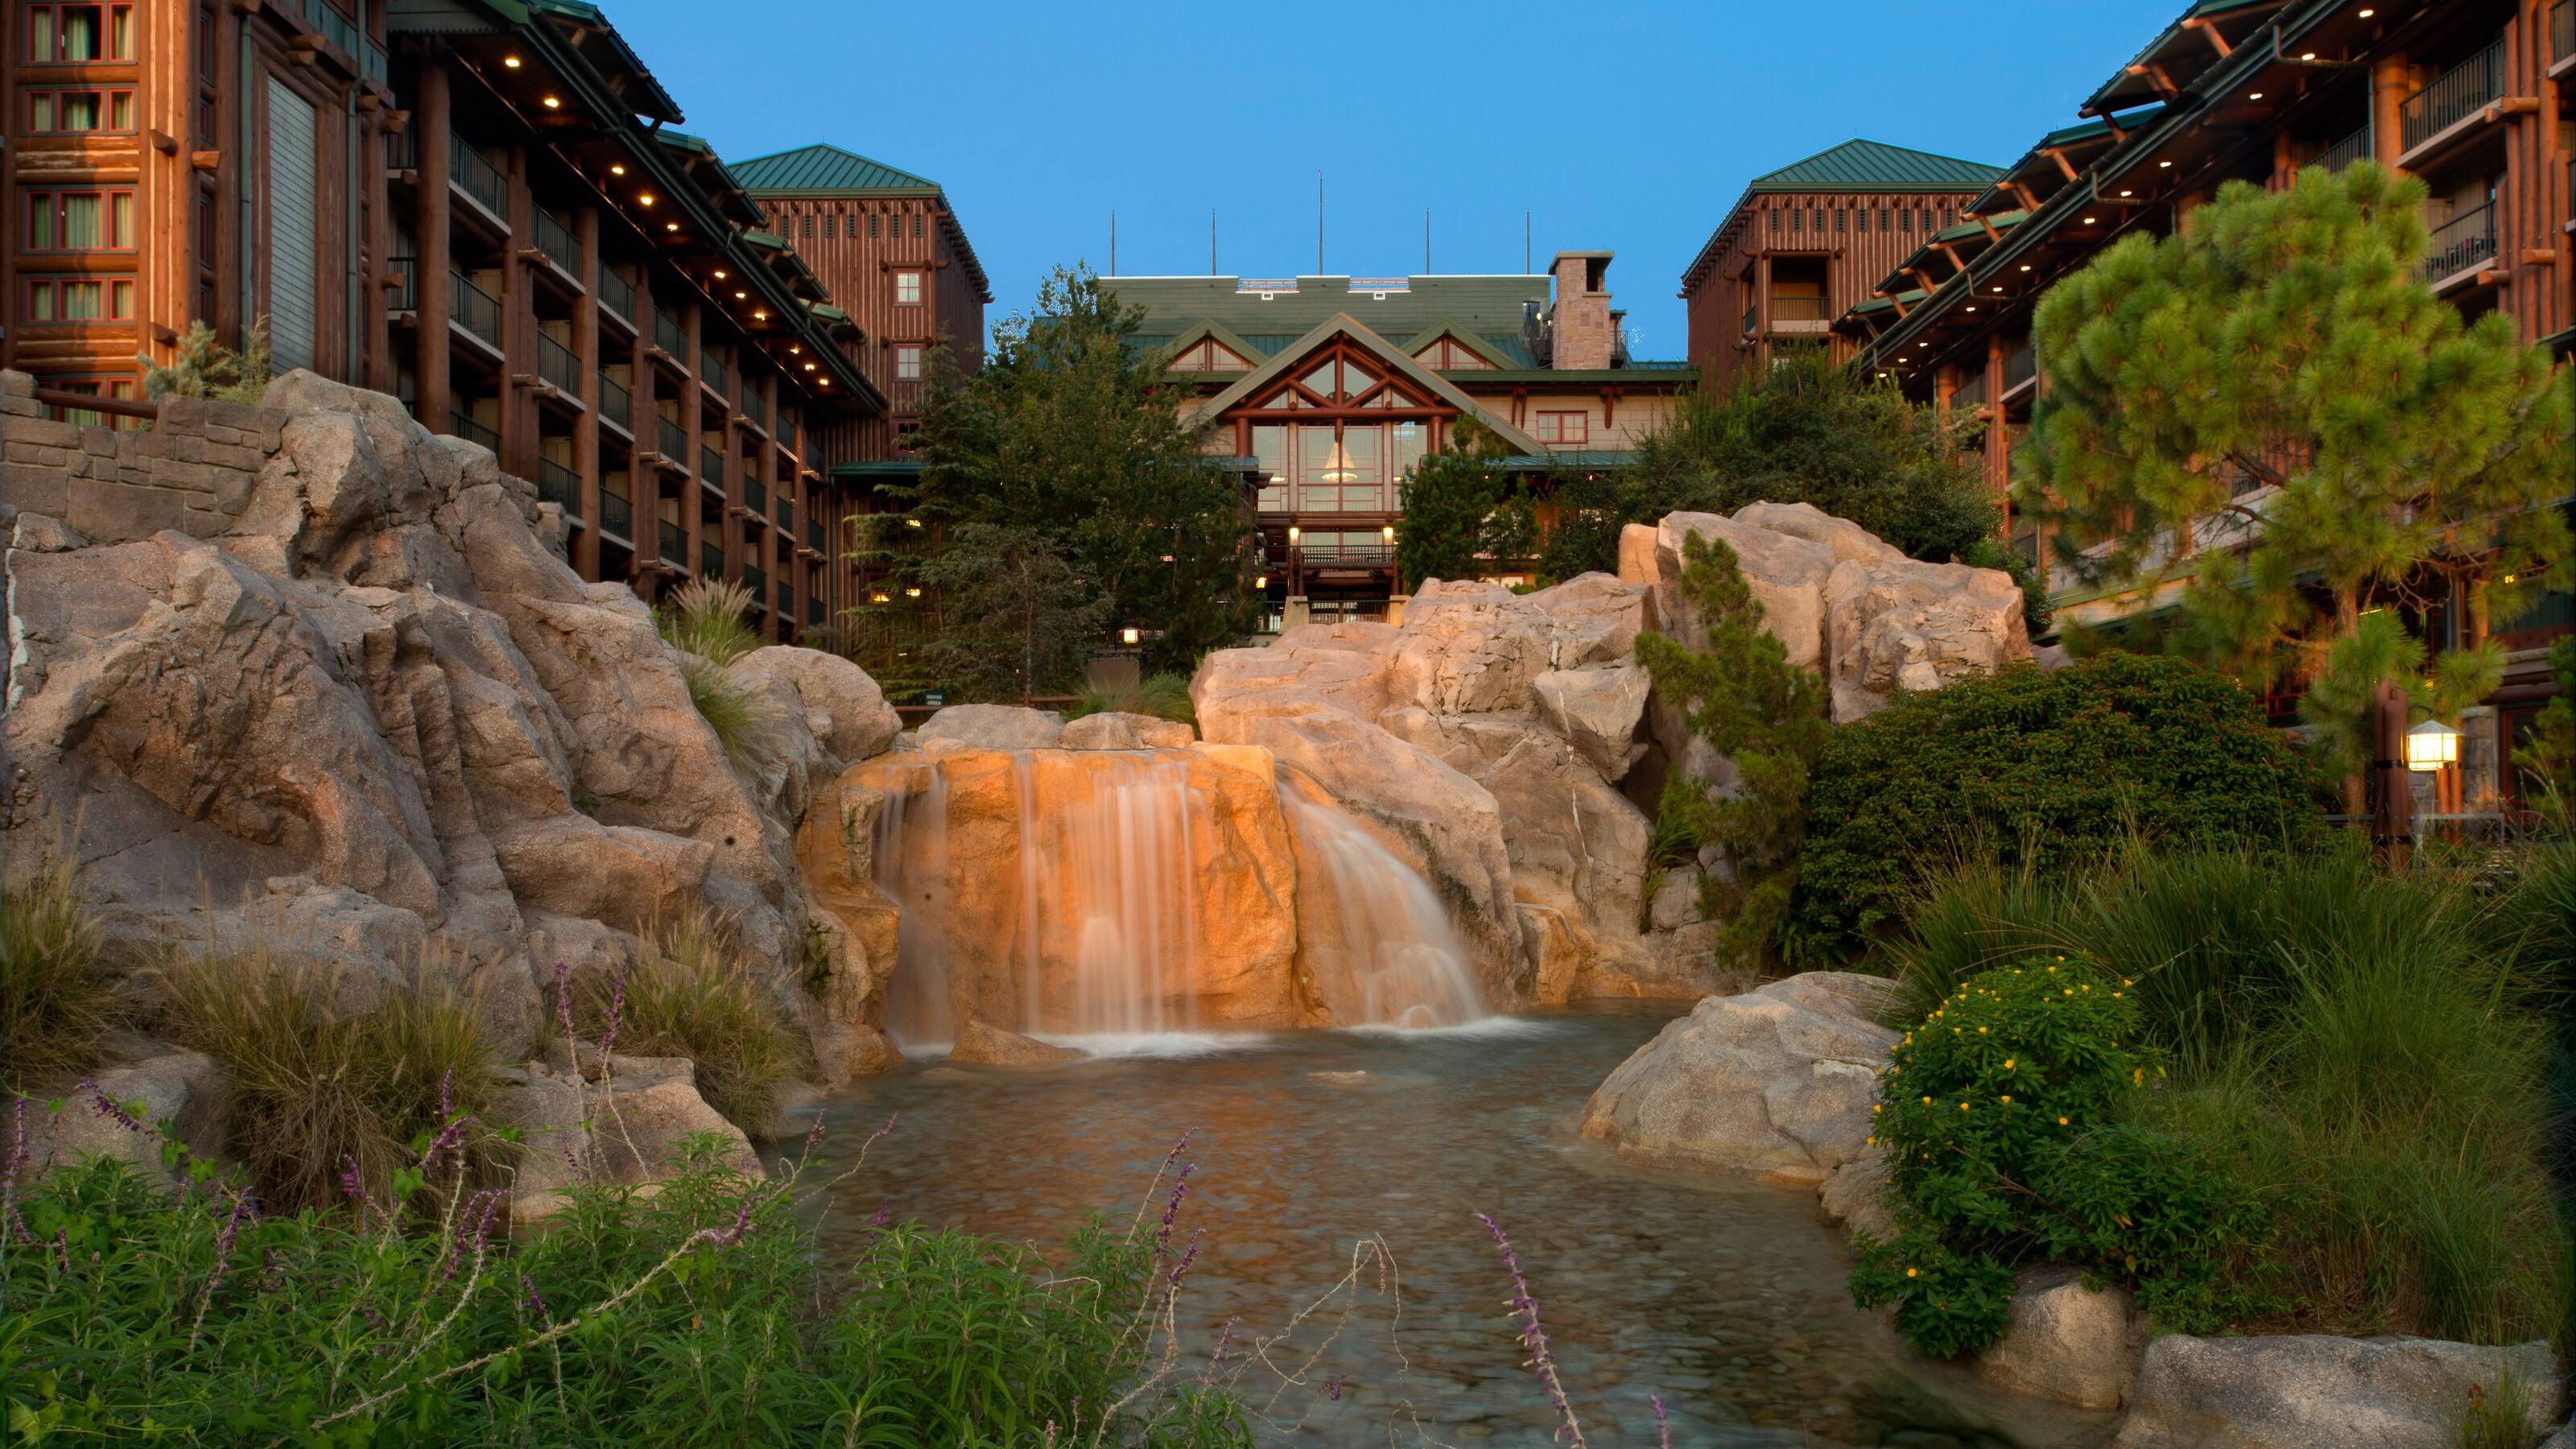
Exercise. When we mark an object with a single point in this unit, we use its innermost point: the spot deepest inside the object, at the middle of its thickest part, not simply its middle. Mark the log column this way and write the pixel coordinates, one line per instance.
(643, 480)
(433, 263)
(693, 515)
(585, 429)
(2390, 85)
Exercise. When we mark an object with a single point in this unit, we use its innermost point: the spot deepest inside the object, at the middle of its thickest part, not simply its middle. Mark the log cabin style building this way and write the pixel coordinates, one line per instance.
(1326, 391)
(483, 207)
(1806, 241)
(2477, 97)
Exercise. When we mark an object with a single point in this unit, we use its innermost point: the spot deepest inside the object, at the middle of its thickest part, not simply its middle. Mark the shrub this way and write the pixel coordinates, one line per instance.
(705, 617)
(57, 998)
(203, 367)
(2003, 1124)
(2052, 770)
(745, 723)
(693, 995)
(1164, 696)
(311, 1089)
(695, 1316)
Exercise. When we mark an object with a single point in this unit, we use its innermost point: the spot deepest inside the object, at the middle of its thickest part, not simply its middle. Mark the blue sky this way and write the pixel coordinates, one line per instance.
(1623, 126)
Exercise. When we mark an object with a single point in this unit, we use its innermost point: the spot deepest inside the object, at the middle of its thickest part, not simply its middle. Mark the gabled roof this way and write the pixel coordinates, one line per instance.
(1457, 332)
(1855, 165)
(1343, 324)
(826, 170)
(1224, 338)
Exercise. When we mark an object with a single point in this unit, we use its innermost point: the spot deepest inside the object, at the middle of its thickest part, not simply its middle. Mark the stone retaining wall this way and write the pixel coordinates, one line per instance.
(191, 472)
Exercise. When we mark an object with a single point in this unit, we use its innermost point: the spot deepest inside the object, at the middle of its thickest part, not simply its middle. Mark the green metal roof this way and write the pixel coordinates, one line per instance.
(1488, 306)
(822, 169)
(1576, 458)
(872, 468)
(591, 23)
(2175, 44)
(1855, 165)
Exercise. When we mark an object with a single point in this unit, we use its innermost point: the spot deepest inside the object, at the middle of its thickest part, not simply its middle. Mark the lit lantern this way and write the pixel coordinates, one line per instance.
(1261, 581)
(1337, 467)
(878, 597)
(1293, 533)
(1387, 533)
(1127, 636)
(2431, 745)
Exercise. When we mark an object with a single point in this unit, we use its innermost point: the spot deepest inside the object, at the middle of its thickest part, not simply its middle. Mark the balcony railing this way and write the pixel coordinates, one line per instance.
(406, 275)
(2562, 31)
(616, 404)
(557, 365)
(472, 308)
(1750, 314)
(671, 337)
(2455, 95)
(464, 425)
(402, 150)
(1794, 308)
(1969, 395)
(787, 598)
(2021, 366)
(477, 177)
(755, 496)
(617, 294)
(813, 610)
(2355, 147)
(712, 371)
(559, 484)
(675, 544)
(711, 465)
(711, 558)
(756, 580)
(2465, 241)
(786, 514)
(814, 535)
(616, 515)
(555, 239)
(754, 406)
(674, 440)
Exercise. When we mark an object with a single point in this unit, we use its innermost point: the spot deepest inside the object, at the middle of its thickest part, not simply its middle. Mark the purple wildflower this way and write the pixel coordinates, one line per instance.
(563, 1001)
(244, 1207)
(446, 1094)
(447, 1137)
(616, 1011)
(1181, 1270)
(1172, 1209)
(1542, 1359)
(814, 1134)
(1663, 1424)
(534, 1302)
(107, 1107)
(479, 1210)
(14, 1164)
(1333, 1390)
(1177, 1149)
(885, 1208)
(741, 1225)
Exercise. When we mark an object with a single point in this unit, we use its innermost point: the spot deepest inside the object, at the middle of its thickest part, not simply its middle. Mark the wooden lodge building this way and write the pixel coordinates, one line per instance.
(2477, 97)
(483, 207)
(1325, 391)
(1805, 242)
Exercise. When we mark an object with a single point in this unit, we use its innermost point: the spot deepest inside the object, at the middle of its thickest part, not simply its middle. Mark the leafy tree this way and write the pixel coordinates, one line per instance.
(206, 368)
(1021, 618)
(1453, 510)
(2286, 337)
(1752, 706)
(2548, 758)
(1070, 435)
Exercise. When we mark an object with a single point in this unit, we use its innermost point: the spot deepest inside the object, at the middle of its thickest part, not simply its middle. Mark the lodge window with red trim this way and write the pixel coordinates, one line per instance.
(907, 362)
(71, 33)
(70, 112)
(94, 387)
(78, 221)
(907, 288)
(80, 299)
(1564, 427)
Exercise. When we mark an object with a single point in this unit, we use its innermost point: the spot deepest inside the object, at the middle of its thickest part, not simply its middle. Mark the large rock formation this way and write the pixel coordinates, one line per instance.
(2310, 1391)
(350, 698)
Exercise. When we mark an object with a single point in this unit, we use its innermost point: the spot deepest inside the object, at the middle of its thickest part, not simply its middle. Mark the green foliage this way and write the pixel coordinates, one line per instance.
(746, 724)
(1164, 696)
(2285, 335)
(2003, 1123)
(693, 994)
(1460, 513)
(1994, 553)
(1801, 431)
(58, 1000)
(310, 1088)
(696, 1316)
(1743, 697)
(206, 368)
(1069, 433)
(1021, 617)
(706, 617)
(2548, 755)
(2049, 768)
(2364, 1051)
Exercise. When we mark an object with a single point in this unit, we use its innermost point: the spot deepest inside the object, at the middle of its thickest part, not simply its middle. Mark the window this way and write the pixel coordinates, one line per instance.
(907, 362)
(907, 289)
(65, 112)
(1882, 218)
(80, 299)
(916, 226)
(1775, 223)
(68, 221)
(831, 227)
(809, 226)
(907, 434)
(1838, 218)
(66, 33)
(872, 226)
(1564, 427)
(93, 387)
(1797, 218)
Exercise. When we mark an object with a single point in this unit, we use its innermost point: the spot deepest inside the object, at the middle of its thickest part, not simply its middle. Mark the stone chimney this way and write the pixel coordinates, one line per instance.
(1585, 336)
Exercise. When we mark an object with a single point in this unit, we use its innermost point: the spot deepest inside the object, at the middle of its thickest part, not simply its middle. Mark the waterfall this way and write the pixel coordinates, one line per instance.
(1119, 853)
(1381, 950)
(912, 869)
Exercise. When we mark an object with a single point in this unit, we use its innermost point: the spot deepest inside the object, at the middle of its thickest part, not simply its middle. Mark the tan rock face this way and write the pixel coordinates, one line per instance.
(622, 1125)
(2065, 1341)
(1112, 730)
(1087, 891)
(2312, 1391)
(980, 1043)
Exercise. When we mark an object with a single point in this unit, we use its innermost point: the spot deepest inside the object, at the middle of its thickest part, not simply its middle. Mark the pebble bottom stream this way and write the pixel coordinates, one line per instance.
(1721, 1294)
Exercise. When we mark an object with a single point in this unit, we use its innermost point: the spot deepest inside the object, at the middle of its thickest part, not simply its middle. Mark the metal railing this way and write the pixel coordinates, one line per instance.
(559, 484)
(1750, 313)
(675, 544)
(671, 337)
(813, 610)
(1794, 308)
(756, 580)
(2021, 366)
(475, 175)
(465, 425)
(754, 406)
(2455, 95)
(2562, 31)
(406, 291)
(2466, 240)
(555, 239)
(557, 365)
(755, 496)
(616, 404)
(617, 294)
(616, 515)
(2355, 147)
(786, 514)
(1969, 395)
(787, 598)
(478, 311)
(711, 558)
(814, 534)
(713, 372)
(711, 465)
(674, 440)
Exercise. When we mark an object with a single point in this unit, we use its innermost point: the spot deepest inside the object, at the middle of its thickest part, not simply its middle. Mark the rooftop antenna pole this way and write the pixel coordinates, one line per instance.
(1113, 241)
(1525, 240)
(1426, 241)
(1211, 241)
(1319, 223)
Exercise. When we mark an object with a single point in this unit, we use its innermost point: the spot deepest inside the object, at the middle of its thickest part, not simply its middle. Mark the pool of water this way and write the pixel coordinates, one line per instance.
(1721, 1295)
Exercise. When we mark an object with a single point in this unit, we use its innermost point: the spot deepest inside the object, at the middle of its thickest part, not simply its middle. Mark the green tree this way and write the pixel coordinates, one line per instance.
(204, 367)
(1743, 697)
(1452, 508)
(2287, 338)
(1069, 433)
(1020, 618)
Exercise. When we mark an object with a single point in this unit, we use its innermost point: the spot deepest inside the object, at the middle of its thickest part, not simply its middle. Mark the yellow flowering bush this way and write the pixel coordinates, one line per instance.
(2003, 1119)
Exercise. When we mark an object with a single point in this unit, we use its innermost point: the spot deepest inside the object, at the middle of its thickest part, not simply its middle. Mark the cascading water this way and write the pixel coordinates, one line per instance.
(1121, 855)
(1384, 953)
(912, 869)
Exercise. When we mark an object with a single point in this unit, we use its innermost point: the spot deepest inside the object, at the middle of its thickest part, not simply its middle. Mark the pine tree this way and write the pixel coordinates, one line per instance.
(2286, 338)
(1451, 507)
(204, 367)
(1765, 715)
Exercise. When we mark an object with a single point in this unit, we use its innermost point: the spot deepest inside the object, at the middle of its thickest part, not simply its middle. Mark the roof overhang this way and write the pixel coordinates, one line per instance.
(1343, 324)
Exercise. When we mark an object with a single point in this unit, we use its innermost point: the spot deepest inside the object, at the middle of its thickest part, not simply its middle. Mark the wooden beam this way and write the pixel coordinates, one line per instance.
(2211, 31)
(2058, 155)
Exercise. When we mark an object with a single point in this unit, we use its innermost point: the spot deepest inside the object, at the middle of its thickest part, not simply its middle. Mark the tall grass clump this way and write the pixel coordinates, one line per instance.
(311, 1089)
(694, 994)
(58, 999)
(744, 721)
(2366, 1050)
(1164, 696)
(706, 618)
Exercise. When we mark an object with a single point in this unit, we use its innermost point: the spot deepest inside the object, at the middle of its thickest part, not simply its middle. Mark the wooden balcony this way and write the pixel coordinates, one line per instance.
(2463, 249)
(2450, 112)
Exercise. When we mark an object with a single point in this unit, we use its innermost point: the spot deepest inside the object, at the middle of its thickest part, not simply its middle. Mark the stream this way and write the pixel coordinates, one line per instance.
(1721, 1295)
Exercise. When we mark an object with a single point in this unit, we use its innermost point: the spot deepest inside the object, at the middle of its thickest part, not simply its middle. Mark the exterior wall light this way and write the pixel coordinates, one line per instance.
(878, 597)
(1293, 533)
(1387, 533)
(2431, 745)
(913, 592)
(511, 61)
(554, 103)
(1127, 636)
